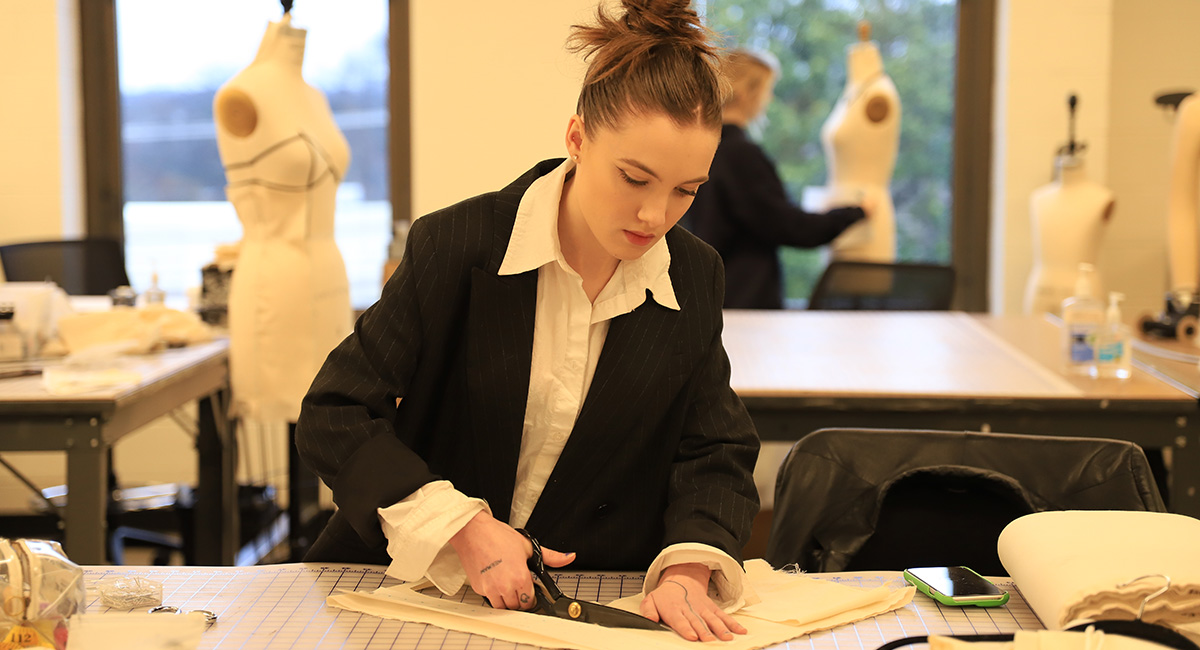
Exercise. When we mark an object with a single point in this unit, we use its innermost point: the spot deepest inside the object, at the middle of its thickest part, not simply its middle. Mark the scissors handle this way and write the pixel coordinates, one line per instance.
(538, 567)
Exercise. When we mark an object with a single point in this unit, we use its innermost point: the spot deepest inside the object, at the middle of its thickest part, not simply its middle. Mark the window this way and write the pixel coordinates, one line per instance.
(918, 42)
(171, 60)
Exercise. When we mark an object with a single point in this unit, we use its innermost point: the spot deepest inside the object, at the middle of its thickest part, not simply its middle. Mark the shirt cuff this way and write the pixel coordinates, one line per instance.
(418, 531)
(727, 587)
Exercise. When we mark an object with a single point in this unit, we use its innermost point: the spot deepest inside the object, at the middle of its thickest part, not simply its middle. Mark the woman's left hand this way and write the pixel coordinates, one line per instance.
(681, 601)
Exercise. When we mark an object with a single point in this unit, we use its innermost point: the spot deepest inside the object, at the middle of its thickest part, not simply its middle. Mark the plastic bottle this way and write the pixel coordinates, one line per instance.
(1114, 347)
(154, 296)
(12, 342)
(1083, 317)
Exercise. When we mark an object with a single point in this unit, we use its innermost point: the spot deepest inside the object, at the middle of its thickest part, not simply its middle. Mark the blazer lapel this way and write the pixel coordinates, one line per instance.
(637, 349)
(500, 352)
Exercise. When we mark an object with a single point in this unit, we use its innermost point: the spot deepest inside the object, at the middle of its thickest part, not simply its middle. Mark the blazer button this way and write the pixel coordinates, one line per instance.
(602, 511)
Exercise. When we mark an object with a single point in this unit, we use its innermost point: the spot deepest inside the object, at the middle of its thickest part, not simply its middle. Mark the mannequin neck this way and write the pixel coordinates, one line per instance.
(863, 62)
(283, 45)
(1071, 170)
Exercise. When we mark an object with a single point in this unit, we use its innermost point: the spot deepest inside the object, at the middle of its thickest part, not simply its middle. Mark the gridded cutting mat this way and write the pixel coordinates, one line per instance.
(283, 606)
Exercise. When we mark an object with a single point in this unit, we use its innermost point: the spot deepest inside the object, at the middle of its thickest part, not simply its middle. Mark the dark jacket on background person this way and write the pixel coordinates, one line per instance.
(745, 213)
(662, 450)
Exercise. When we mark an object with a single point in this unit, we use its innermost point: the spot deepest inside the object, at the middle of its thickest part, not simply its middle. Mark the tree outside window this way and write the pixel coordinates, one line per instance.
(917, 40)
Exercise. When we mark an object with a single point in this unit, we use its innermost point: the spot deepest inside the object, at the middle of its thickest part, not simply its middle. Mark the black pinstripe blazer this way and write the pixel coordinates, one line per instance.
(662, 451)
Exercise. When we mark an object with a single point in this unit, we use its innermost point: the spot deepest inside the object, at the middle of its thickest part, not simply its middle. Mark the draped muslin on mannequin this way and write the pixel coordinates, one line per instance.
(861, 138)
(1069, 216)
(289, 303)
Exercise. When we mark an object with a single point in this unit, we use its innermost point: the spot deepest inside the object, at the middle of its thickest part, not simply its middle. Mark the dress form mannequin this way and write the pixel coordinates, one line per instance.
(1069, 216)
(289, 302)
(1183, 244)
(861, 138)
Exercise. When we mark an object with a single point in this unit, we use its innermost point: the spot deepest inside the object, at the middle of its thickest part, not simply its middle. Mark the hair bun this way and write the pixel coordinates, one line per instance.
(655, 55)
(668, 18)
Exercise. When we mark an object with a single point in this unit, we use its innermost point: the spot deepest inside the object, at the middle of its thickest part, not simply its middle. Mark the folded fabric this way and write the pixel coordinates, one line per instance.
(151, 328)
(1080, 565)
(63, 380)
(792, 605)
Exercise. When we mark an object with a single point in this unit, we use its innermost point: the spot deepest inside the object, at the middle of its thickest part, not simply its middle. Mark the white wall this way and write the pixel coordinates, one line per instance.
(1152, 52)
(1045, 51)
(492, 89)
(1116, 55)
(41, 194)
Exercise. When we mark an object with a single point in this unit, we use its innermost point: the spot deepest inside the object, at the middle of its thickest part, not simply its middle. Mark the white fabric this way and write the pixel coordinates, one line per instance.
(569, 333)
(793, 605)
(1069, 565)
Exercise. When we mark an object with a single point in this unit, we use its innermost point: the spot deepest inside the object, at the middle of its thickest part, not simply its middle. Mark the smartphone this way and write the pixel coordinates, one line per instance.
(956, 586)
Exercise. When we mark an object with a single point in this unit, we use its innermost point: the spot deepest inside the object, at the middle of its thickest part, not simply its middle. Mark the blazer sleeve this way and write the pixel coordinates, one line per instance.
(712, 498)
(759, 203)
(346, 431)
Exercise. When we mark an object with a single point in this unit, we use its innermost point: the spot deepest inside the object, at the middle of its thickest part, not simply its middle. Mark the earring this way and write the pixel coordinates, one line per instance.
(575, 157)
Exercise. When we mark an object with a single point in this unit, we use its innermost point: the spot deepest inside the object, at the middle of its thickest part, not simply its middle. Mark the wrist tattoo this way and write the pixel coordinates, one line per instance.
(491, 566)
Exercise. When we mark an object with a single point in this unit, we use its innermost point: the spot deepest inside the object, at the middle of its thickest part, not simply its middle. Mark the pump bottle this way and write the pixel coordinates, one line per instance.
(1114, 354)
(1083, 317)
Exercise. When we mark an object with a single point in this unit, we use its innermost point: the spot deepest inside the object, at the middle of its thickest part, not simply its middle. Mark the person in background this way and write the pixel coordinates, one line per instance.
(549, 357)
(743, 210)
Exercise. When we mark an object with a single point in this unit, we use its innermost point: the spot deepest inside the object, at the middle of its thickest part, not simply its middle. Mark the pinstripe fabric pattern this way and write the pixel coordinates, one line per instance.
(662, 451)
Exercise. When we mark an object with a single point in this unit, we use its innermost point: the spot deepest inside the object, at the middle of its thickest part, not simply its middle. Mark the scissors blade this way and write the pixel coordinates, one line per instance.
(589, 612)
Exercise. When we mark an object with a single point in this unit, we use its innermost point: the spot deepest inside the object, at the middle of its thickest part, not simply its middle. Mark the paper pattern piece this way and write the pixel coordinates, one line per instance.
(1068, 565)
(792, 605)
(140, 630)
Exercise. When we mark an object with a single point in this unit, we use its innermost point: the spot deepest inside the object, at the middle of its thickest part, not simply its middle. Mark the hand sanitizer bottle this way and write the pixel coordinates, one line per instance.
(1083, 316)
(1114, 353)
(154, 296)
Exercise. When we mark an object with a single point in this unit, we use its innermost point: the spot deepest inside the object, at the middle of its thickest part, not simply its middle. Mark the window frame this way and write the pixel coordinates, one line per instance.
(104, 194)
(971, 172)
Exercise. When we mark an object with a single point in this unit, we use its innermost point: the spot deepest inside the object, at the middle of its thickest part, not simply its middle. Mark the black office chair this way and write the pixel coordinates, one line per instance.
(884, 287)
(889, 499)
(82, 267)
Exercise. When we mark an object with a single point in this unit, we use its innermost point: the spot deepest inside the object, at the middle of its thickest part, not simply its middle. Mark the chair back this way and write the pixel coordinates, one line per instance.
(82, 267)
(889, 499)
(884, 287)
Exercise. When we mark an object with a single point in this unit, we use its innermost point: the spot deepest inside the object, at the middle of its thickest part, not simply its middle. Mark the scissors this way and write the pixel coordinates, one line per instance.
(551, 600)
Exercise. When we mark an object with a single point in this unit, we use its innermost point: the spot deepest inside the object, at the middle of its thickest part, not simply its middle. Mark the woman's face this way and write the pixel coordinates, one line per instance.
(635, 181)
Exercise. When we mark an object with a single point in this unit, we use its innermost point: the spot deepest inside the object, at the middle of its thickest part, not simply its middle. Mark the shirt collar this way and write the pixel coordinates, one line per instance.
(534, 243)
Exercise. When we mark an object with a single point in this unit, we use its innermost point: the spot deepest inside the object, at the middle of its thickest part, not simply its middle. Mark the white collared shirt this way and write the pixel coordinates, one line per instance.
(569, 333)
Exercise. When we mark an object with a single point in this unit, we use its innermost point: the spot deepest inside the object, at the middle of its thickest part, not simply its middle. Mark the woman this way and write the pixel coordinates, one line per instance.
(744, 211)
(549, 357)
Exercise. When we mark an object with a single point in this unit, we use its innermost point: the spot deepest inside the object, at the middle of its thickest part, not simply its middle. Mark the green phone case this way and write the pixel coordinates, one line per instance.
(990, 601)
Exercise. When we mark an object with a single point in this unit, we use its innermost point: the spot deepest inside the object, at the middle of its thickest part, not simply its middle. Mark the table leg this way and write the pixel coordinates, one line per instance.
(87, 500)
(1185, 472)
(216, 512)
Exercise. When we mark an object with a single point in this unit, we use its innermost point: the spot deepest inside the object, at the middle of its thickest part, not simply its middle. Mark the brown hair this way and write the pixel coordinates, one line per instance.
(747, 71)
(656, 57)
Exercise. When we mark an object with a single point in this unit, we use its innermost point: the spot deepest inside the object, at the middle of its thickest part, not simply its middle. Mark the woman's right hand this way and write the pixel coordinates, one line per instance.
(494, 557)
